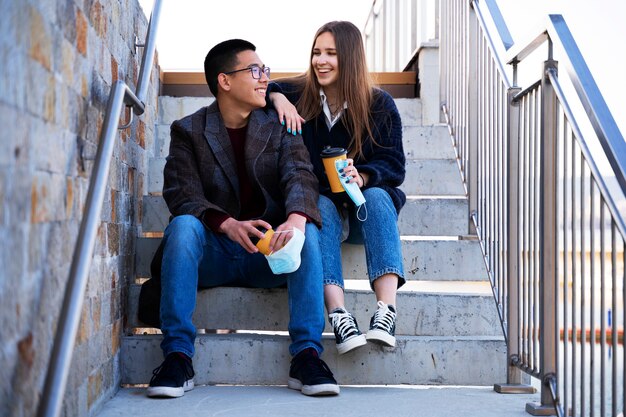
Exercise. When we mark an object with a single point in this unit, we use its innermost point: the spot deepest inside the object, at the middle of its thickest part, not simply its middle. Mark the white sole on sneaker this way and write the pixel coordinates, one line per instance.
(381, 337)
(171, 392)
(352, 343)
(313, 390)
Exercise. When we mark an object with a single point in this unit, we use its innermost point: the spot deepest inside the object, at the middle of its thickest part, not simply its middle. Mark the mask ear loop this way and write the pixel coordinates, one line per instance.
(358, 210)
(283, 231)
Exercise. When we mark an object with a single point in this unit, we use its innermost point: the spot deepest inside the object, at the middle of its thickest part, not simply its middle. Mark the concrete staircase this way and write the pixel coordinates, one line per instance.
(448, 330)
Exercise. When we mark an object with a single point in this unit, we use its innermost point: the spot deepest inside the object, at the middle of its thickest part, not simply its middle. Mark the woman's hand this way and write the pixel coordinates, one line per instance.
(351, 174)
(287, 113)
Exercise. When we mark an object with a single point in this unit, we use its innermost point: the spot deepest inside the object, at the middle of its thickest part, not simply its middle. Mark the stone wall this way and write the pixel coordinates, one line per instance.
(58, 60)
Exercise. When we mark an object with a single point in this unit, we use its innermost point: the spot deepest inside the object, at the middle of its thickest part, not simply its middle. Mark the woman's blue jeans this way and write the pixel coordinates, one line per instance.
(378, 233)
(195, 257)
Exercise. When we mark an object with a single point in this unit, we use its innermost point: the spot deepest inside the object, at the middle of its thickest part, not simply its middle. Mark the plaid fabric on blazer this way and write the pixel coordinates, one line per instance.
(200, 171)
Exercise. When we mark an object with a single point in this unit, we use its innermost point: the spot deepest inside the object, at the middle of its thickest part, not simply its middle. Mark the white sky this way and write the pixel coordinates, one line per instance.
(283, 30)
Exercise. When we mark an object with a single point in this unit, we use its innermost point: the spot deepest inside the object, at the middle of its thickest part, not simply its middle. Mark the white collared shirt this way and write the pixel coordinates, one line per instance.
(330, 120)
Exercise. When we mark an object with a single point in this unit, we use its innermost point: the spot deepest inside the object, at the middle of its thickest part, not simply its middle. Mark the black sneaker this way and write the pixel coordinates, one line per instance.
(173, 377)
(347, 333)
(383, 325)
(309, 374)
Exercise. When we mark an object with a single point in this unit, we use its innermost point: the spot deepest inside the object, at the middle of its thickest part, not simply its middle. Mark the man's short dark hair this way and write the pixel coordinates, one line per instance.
(223, 58)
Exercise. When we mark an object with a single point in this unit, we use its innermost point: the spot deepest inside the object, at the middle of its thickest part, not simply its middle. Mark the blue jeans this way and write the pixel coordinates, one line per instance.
(194, 257)
(378, 233)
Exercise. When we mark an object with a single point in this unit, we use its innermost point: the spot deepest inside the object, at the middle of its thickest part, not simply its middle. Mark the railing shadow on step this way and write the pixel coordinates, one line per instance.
(121, 94)
(545, 171)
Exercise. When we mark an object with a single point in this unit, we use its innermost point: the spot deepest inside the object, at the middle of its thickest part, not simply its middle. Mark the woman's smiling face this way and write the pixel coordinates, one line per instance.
(324, 61)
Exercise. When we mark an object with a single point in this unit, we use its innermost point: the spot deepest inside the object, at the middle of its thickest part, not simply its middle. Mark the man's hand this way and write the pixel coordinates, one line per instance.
(240, 232)
(280, 239)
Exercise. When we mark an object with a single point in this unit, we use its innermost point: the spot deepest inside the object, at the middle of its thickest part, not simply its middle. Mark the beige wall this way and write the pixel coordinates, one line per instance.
(58, 60)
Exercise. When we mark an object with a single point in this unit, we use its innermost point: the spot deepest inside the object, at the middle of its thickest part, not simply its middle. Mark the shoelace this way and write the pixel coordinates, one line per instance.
(317, 368)
(384, 318)
(343, 322)
(168, 369)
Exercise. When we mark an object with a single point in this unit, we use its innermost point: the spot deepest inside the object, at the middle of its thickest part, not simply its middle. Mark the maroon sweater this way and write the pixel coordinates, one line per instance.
(251, 200)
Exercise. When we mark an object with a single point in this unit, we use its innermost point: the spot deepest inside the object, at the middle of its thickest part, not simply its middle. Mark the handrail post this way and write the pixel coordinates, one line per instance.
(515, 379)
(548, 224)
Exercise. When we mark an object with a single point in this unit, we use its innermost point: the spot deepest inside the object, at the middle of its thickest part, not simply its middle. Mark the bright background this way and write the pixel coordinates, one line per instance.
(283, 30)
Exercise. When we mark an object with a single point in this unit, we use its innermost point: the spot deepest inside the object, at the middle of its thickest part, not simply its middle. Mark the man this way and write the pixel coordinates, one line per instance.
(232, 170)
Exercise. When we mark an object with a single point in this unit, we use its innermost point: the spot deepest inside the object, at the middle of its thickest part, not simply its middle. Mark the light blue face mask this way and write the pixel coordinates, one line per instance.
(353, 190)
(287, 259)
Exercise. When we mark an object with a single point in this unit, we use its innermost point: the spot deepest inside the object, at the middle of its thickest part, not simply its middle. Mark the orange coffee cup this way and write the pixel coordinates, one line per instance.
(329, 156)
(264, 244)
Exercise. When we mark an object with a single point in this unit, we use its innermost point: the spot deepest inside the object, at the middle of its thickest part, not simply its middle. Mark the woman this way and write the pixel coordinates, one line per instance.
(340, 108)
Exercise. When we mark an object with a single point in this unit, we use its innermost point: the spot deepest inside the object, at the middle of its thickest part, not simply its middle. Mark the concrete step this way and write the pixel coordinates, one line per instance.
(252, 359)
(423, 177)
(425, 258)
(174, 108)
(421, 311)
(419, 142)
(427, 142)
(432, 216)
(278, 401)
(432, 177)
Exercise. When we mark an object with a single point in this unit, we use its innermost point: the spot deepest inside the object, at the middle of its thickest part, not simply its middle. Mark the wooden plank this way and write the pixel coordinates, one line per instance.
(197, 77)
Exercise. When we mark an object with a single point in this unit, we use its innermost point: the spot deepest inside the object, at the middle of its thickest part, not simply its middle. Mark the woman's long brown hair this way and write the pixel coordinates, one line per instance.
(354, 84)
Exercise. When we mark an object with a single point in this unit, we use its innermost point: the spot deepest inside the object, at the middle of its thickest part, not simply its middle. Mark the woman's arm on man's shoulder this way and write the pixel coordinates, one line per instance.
(282, 96)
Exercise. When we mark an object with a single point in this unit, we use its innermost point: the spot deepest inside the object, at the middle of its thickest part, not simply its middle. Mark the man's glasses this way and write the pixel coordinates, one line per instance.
(256, 71)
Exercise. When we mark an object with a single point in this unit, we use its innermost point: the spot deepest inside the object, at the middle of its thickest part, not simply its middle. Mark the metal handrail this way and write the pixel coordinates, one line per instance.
(68, 322)
(543, 209)
(588, 92)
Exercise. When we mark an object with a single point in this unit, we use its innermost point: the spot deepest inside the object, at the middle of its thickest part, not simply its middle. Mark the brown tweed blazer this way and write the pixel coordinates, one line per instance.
(200, 171)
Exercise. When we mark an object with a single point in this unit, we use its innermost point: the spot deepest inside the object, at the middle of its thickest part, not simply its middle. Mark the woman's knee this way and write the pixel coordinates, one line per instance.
(379, 202)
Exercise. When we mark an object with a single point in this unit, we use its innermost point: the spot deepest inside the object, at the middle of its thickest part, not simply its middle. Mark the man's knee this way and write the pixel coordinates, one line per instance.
(185, 227)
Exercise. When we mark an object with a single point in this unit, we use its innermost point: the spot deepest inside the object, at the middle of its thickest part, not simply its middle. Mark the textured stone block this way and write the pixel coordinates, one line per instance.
(47, 197)
(40, 42)
(81, 32)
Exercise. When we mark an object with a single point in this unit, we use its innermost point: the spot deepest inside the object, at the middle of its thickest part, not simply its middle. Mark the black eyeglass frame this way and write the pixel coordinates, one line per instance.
(261, 70)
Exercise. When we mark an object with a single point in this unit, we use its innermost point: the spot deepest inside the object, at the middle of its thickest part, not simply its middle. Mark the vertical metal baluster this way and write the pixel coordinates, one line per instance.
(524, 229)
(503, 193)
(535, 235)
(592, 302)
(566, 162)
(575, 152)
(614, 321)
(583, 287)
(491, 173)
(483, 128)
(531, 225)
(527, 226)
(602, 310)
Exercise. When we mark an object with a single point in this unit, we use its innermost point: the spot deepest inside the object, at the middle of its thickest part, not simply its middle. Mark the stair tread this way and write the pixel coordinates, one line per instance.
(278, 401)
